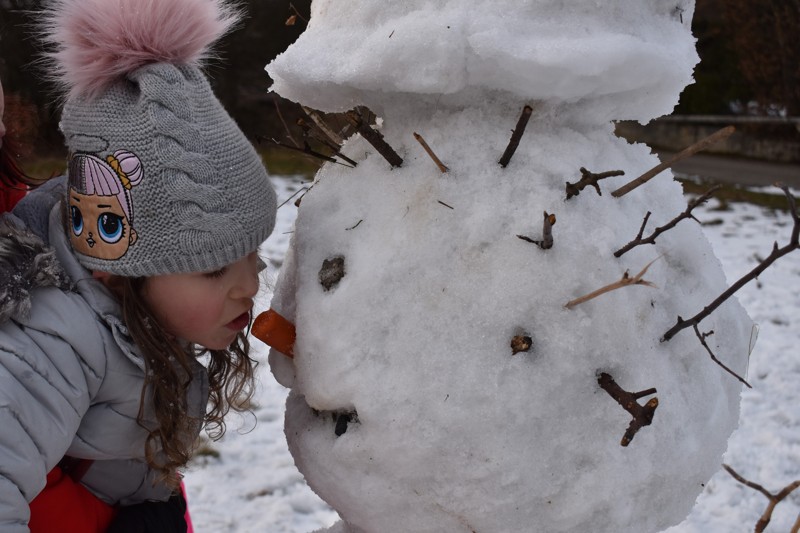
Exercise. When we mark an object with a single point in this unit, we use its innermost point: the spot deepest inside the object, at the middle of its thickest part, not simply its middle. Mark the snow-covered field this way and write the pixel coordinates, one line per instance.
(248, 482)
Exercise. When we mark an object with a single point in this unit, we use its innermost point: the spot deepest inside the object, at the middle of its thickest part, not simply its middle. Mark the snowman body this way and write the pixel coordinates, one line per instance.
(410, 410)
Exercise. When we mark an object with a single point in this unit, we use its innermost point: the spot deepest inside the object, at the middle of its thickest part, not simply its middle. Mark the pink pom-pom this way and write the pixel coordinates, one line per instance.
(97, 42)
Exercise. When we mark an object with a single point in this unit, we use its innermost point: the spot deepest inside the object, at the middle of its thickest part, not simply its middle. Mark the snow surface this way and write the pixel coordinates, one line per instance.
(253, 485)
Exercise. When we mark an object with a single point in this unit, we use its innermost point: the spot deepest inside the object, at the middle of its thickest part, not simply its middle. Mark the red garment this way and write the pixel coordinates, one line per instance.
(9, 198)
(64, 501)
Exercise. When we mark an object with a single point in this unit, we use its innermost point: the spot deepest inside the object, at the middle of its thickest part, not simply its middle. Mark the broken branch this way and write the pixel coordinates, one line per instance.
(427, 148)
(702, 337)
(642, 414)
(323, 126)
(288, 132)
(547, 233)
(700, 145)
(316, 134)
(777, 253)
(774, 499)
(668, 226)
(590, 178)
(306, 150)
(624, 282)
(374, 138)
(516, 135)
(295, 16)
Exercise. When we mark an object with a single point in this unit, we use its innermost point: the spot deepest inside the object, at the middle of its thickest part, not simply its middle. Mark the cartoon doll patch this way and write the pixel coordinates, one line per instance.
(100, 206)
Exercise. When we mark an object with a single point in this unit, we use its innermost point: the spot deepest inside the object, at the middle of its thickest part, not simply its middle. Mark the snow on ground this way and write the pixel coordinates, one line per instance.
(247, 482)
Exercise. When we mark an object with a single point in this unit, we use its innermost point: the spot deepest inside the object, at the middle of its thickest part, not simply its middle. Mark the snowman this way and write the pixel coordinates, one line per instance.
(461, 362)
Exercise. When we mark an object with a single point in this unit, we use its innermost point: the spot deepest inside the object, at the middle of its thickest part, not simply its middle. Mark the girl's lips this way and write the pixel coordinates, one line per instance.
(240, 322)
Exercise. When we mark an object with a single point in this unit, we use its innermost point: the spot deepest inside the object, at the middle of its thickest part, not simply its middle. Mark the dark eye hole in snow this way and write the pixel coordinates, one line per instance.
(332, 272)
(342, 421)
(521, 343)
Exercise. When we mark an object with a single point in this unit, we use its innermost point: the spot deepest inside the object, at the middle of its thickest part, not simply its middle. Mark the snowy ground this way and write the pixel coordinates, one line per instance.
(247, 482)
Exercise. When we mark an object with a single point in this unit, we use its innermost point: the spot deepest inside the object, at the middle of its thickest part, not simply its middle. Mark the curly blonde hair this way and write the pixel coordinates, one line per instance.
(231, 376)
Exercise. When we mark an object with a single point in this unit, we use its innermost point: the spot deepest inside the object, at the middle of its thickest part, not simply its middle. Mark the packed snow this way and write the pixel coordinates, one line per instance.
(369, 52)
(250, 484)
(441, 380)
(446, 378)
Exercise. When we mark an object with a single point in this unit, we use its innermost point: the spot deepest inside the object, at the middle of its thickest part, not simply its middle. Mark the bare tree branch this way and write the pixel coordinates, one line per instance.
(668, 226)
(323, 126)
(702, 144)
(774, 499)
(295, 16)
(777, 253)
(432, 155)
(288, 132)
(642, 414)
(590, 178)
(374, 138)
(305, 150)
(522, 123)
(547, 233)
(702, 337)
(319, 136)
(624, 282)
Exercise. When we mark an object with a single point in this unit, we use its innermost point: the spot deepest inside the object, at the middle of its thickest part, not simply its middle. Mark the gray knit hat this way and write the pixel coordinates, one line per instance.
(161, 179)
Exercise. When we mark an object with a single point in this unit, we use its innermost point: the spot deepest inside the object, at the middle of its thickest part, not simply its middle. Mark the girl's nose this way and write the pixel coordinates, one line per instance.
(247, 283)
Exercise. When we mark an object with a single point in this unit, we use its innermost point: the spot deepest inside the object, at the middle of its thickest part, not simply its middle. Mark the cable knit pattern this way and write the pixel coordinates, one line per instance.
(204, 199)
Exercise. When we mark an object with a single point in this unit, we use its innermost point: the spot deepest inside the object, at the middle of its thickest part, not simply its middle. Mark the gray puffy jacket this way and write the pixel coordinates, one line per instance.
(70, 377)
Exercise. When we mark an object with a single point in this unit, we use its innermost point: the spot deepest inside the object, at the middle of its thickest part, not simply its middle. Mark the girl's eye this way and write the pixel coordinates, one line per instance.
(217, 273)
(110, 227)
(77, 220)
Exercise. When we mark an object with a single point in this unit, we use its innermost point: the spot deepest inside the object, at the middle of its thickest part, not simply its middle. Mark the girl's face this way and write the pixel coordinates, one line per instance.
(208, 309)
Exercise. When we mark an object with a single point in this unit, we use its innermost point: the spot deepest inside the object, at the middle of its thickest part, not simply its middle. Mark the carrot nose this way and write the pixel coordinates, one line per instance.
(272, 329)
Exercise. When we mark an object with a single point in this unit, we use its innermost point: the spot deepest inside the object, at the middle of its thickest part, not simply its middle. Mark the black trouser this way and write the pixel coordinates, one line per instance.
(152, 517)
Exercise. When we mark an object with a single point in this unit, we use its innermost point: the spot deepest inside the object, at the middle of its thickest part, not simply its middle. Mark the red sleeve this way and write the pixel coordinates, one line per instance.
(64, 505)
(9, 198)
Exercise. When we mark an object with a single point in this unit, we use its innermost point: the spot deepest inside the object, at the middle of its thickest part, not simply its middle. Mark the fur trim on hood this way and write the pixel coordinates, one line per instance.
(26, 263)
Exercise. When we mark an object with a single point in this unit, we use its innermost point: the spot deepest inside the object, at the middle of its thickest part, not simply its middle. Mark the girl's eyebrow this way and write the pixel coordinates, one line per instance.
(76, 199)
(104, 206)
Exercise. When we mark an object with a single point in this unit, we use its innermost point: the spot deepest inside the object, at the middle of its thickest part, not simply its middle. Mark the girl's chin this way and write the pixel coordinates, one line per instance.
(221, 343)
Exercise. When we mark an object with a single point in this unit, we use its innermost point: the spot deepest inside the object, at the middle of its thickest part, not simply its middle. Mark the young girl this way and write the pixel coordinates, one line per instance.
(116, 278)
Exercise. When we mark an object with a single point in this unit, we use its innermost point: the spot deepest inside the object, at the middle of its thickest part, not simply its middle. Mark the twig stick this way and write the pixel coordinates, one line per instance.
(292, 196)
(427, 148)
(296, 14)
(590, 178)
(316, 134)
(624, 282)
(308, 151)
(323, 126)
(774, 499)
(668, 226)
(374, 138)
(642, 414)
(700, 145)
(777, 253)
(288, 132)
(702, 337)
(522, 123)
(547, 233)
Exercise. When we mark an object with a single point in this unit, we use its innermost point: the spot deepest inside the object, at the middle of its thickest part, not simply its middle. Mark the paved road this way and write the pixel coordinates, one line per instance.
(737, 171)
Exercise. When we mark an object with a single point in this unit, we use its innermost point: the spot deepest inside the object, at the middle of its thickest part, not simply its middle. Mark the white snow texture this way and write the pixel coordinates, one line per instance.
(449, 430)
